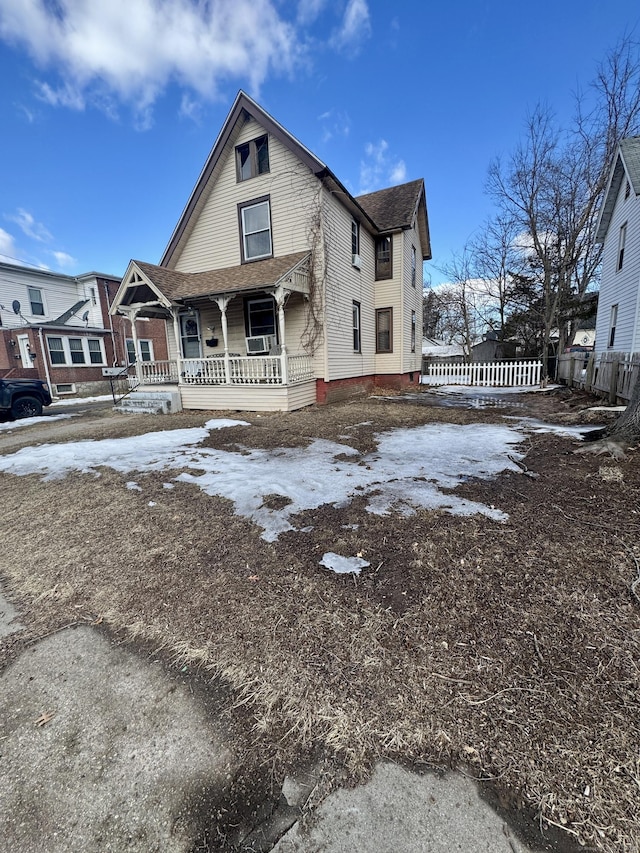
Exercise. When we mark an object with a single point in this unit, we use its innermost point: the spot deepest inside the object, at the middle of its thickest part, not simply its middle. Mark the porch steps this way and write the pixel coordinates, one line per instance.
(146, 402)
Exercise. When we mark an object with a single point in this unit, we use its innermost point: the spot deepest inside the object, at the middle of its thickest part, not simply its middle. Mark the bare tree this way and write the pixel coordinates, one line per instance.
(553, 184)
(458, 322)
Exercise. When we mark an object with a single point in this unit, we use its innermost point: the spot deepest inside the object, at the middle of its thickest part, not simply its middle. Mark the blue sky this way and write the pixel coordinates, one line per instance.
(110, 108)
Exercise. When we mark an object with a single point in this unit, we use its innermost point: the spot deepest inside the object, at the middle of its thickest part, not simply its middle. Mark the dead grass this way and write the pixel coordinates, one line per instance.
(509, 648)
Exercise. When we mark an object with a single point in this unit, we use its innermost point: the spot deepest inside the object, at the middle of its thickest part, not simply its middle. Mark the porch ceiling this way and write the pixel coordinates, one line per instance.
(180, 287)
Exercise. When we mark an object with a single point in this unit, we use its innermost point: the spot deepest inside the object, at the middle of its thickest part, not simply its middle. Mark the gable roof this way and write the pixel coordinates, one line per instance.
(403, 201)
(626, 166)
(242, 110)
(178, 287)
(395, 208)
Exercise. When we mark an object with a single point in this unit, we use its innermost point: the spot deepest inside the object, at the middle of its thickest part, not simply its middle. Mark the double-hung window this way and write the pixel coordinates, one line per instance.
(357, 343)
(255, 229)
(145, 350)
(413, 266)
(37, 302)
(260, 315)
(355, 243)
(622, 239)
(75, 351)
(252, 158)
(613, 322)
(384, 267)
(384, 330)
(56, 351)
(413, 331)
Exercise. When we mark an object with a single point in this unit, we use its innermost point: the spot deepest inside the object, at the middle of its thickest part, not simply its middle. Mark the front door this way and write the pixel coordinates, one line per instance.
(190, 335)
(25, 352)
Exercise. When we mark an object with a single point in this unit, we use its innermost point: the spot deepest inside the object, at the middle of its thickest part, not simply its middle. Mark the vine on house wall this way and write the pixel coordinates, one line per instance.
(313, 331)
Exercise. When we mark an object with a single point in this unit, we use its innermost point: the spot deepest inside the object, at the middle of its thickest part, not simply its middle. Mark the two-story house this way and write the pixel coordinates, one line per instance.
(58, 328)
(618, 318)
(280, 288)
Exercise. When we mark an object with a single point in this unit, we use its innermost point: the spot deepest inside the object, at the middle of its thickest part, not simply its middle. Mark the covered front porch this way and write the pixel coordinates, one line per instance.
(241, 344)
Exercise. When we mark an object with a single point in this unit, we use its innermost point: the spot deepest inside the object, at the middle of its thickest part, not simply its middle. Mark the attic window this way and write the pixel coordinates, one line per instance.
(252, 158)
(627, 190)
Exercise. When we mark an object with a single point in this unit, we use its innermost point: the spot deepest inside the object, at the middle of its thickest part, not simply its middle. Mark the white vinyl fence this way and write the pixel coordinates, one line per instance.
(495, 373)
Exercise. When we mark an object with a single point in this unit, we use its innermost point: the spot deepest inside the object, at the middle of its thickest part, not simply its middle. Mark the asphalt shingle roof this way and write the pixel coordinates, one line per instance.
(630, 149)
(393, 207)
(187, 285)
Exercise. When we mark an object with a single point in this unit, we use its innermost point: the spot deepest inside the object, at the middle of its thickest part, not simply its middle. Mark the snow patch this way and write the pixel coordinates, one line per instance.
(343, 565)
(23, 422)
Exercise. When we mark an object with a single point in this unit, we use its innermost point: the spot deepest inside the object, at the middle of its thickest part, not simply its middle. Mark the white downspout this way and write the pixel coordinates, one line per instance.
(44, 359)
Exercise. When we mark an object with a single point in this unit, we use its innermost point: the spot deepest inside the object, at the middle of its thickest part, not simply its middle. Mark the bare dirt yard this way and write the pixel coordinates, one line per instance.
(506, 644)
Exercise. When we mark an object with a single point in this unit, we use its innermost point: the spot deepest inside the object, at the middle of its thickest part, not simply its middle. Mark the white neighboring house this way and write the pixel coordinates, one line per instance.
(618, 319)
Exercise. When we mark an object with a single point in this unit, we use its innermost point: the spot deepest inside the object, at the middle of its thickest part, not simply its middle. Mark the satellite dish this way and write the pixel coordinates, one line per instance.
(85, 317)
(16, 306)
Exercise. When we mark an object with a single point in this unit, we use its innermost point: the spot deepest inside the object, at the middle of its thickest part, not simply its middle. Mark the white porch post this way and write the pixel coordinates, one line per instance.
(175, 312)
(281, 295)
(222, 302)
(132, 315)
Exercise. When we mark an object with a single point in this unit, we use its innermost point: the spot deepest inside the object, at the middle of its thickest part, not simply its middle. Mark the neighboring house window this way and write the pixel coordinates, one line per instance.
(413, 331)
(384, 266)
(356, 327)
(613, 322)
(255, 229)
(260, 316)
(621, 241)
(145, 349)
(355, 241)
(95, 351)
(75, 348)
(56, 351)
(252, 158)
(75, 351)
(413, 266)
(37, 302)
(384, 330)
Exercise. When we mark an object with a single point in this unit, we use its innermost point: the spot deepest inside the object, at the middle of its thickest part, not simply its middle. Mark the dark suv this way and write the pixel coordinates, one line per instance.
(23, 398)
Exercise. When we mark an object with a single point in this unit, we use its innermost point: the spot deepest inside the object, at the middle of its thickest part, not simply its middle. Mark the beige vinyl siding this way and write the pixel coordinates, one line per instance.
(210, 316)
(345, 284)
(388, 294)
(412, 301)
(253, 398)
(214, 241)
(621, 287)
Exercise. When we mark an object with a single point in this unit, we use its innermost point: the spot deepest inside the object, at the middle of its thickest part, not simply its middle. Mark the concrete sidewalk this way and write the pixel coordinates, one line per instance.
(102, 750)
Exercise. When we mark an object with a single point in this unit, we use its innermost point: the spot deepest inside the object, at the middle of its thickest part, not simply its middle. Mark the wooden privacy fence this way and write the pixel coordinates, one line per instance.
(610, 374)
(493, 373)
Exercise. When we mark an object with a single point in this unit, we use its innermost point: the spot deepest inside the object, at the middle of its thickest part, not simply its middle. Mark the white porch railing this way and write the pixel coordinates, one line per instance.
(496, 373)
(246, 370)
(157, 372)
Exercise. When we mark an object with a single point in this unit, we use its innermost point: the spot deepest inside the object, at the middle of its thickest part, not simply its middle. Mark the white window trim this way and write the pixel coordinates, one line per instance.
(42, 299)
(613, 324)
(66, 350)
(356, 313)
(140, 342)
(622, 239)
(244, 233)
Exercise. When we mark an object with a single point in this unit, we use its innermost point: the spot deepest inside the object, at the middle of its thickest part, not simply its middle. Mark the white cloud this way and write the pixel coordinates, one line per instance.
(334, 123)
(7, 247)
(308, 10)
(64, 260)
(355, 27)
(380, 168)
(134, 49)
(35, 230)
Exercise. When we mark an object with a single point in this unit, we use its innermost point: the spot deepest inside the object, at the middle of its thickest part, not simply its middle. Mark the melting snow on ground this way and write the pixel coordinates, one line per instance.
(343, 565)
(23, 422)
(410, 469)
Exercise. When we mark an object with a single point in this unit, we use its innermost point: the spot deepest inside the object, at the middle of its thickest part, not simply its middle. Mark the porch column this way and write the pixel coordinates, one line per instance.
(281, 295)
(176, 334)
(132, 315)
(222, 302)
